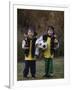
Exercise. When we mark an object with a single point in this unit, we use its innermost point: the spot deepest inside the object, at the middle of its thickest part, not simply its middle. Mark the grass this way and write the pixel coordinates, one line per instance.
(58, 69)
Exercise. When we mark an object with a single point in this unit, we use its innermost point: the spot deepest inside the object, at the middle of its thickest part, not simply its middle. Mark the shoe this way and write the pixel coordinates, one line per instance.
(45, 75)
(50, 75)
(25, 77)
(33, 77)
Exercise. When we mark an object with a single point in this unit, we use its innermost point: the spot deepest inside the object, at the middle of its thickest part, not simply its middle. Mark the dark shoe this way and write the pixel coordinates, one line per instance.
(50, 75)
(25, 77)
(33, 77)
(45, 75)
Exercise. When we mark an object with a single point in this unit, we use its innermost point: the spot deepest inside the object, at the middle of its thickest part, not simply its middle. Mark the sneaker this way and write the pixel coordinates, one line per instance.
(45, 75)
(25, 77)
(50, 75)
(33, 77)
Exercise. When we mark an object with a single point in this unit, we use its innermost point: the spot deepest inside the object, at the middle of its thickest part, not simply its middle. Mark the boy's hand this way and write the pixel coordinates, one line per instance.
(55, 41)
(56, 44)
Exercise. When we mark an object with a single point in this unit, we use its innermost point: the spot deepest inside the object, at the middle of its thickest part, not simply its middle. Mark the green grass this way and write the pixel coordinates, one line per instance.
(58, 69)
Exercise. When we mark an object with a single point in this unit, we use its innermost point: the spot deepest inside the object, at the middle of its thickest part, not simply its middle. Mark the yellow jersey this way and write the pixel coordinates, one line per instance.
(29, 57)
(47, 53)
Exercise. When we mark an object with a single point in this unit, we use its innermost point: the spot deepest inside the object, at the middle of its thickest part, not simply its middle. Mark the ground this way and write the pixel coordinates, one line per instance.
(58, 69)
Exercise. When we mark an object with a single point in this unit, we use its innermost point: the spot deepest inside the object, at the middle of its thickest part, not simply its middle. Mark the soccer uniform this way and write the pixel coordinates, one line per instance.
(48, 56)
(30, 62)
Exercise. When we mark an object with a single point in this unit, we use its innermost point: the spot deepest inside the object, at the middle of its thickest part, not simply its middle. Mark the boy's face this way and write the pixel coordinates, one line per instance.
(50, 32)
(30, 33)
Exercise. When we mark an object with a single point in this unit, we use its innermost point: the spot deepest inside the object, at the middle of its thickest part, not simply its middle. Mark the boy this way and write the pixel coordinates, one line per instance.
(29, 50)
(52, 42)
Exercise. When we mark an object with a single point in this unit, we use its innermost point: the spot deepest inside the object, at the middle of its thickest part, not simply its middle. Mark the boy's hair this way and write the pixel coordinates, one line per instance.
(51, 28)
(33, 30)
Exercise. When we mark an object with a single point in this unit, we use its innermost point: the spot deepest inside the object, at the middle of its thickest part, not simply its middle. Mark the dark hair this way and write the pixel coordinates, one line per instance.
(51, 28)
(32, 28)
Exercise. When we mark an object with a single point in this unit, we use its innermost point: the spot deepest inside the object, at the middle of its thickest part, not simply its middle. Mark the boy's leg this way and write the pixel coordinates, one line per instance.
(50, 66)
(33, 68)
(26, 69)
(46, 67)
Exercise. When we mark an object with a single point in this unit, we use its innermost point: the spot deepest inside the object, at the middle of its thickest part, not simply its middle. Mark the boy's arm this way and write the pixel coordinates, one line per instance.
(23, 45)
(56, 43)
